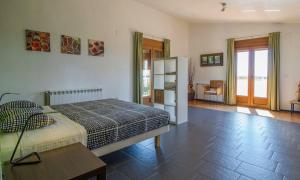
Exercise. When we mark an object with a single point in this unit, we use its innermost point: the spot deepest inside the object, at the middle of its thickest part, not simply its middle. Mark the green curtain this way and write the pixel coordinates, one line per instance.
(274, 71)
(230, 97)
(167, 45)
(138, 67)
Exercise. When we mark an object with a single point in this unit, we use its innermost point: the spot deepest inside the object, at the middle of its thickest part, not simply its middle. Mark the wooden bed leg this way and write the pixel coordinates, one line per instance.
(157, 141)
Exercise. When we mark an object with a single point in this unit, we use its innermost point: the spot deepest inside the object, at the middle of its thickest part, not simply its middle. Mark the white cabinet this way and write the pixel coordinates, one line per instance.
(170, 78)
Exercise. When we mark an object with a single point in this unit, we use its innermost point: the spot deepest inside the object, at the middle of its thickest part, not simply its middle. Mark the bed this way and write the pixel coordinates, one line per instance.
(112, 124)
(103, 126)
(62, 133)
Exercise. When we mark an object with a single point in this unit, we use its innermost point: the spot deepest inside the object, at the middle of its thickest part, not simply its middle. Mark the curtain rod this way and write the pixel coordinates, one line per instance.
(251, 37)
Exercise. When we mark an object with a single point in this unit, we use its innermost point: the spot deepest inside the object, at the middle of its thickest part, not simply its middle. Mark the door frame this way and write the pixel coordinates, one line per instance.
(251, 45)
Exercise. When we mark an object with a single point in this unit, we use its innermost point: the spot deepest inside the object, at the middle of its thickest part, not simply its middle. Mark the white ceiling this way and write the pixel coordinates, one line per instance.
(210, 10)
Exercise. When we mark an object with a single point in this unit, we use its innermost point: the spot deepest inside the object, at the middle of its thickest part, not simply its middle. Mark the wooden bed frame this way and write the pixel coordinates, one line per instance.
(71, 96)
(133, 140)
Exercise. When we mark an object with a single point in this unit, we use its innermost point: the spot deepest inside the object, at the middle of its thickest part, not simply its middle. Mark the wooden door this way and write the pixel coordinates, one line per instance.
(152, 50)
(252, 70)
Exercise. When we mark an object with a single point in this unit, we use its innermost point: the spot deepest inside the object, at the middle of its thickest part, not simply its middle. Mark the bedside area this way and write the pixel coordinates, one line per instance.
(70, 162)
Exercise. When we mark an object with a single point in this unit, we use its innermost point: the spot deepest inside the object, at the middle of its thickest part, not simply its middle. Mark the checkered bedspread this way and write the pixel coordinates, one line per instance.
(111, 120)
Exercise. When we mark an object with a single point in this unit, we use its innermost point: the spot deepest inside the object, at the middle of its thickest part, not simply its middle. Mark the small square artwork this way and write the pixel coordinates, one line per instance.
(70, 45)
(37, 41)
(96, 48)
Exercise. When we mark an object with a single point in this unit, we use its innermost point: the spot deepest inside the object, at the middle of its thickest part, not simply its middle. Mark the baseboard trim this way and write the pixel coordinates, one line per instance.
(205, 100)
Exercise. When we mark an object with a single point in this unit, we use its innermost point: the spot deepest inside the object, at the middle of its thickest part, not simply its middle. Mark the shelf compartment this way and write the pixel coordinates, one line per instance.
(159, 96)
(159, 81)
(170, 86)
(170, 66)
(159, 67)
(170, 97)
(170, 82)
(170, 78)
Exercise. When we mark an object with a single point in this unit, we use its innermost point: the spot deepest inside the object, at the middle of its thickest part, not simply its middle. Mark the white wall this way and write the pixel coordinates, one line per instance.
(211, 38)
(112, 21)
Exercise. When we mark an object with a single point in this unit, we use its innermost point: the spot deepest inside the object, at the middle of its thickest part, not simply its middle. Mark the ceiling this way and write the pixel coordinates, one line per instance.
(210, 10)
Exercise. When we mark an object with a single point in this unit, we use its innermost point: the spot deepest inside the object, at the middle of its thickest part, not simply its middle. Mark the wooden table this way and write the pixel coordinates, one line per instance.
(293, 105)
(70, 162)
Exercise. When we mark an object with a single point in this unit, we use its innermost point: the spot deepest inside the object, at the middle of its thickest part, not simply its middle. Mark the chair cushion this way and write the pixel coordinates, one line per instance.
(13, 120)
(19, 104)
(211, 91)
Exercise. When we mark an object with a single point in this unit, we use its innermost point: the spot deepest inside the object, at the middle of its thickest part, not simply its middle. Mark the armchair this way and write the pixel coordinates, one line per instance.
(214, 91)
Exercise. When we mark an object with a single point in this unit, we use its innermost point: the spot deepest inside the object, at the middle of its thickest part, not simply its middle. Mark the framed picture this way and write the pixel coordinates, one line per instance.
(204, 60)
(211, 60)
(37, 41)
(96, 48)
(215, 59)
(70, 45)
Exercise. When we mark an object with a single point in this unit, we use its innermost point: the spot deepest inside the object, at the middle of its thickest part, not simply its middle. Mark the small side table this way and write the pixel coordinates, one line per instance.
(293, 105)
(70, 162)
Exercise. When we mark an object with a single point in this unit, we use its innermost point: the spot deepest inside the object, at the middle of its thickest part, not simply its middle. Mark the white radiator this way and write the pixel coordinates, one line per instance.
(72, 96)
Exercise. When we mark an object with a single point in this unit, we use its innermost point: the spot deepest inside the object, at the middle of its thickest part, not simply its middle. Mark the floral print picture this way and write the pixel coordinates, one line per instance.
(70, 45)
(37, 41)
(96, 48)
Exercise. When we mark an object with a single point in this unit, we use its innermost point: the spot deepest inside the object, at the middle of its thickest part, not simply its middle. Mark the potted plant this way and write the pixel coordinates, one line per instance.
(191, 91)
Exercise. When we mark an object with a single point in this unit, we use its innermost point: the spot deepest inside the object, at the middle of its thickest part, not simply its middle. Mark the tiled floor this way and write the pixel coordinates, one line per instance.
(214, 145)
(281, 115)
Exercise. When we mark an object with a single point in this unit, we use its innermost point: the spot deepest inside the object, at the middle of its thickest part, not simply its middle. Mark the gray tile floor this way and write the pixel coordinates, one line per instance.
(214, 145)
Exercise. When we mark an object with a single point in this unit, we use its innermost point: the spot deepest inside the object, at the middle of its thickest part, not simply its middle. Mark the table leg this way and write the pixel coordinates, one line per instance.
(292, 108)
(157, 141)
(101, 176)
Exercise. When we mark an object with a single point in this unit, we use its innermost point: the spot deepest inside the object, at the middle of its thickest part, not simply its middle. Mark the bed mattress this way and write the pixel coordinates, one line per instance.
(111, 120)
(63, 132)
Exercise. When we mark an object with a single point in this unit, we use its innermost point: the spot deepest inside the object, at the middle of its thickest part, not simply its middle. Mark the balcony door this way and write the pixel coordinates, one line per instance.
(152, 50)
(252, 72)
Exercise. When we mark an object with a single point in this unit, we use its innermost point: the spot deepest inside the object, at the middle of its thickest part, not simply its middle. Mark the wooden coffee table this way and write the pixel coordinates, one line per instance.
(71, 162)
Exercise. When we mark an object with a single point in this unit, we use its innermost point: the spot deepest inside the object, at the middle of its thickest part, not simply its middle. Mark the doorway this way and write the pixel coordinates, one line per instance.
(152, 50)
(252, 72)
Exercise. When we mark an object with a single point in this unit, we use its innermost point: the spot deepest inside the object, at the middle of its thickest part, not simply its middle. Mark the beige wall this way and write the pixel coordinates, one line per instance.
(211, 38)
(112, 21)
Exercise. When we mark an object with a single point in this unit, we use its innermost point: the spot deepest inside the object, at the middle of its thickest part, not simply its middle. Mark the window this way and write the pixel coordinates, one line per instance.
(242, 73)
(146, 79)
(261, 73)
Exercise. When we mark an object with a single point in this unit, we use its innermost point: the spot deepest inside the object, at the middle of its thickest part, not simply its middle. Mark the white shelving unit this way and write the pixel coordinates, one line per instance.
(170, 78)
